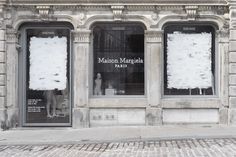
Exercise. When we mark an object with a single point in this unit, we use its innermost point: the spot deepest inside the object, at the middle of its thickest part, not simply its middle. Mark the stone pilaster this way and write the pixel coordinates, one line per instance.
(153, 73)
(223, 53)
(81, 78)
(2, 66)
(11, 62)
(232, 62)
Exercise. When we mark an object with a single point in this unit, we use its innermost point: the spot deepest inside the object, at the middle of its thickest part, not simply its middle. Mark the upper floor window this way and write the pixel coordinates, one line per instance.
(189, 60)
(118, 59)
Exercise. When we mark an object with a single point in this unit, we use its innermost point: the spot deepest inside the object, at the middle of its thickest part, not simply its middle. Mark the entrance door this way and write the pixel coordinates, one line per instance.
(46, 77)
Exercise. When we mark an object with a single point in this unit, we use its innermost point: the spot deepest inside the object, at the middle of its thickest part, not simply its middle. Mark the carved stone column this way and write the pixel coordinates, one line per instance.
(232, 63)
(81, 80)
(153, 76)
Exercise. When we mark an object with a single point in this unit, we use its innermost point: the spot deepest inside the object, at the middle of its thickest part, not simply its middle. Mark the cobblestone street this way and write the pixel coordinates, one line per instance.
(224, 147)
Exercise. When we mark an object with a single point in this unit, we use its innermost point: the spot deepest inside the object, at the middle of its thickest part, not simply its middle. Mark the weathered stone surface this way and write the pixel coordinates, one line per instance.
(153, 116)
(2, 68)
(232, 35)
(232, 116)
(80, 118)
(232, 57)
(2, 57)
(232, 79)
(2, 80)
(223, 116)
(2, 91)
(190, 116)
(109, 117)
(232, 90)
(232, 102)
(2, 34)
(232, 46)
(2, 46)
(2, 102)
(232, 68)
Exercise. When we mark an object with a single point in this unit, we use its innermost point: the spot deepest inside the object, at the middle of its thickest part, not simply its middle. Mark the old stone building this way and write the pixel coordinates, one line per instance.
(88, 63)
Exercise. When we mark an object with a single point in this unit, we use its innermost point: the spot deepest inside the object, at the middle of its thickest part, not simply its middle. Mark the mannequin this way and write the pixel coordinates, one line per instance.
(50, 102)
(98, 85)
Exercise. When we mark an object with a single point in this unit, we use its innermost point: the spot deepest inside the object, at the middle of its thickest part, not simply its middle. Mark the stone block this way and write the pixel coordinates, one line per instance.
(2, 119)
(2, 102)
(2, 57)
(2, 68)
(131, 117)
(190, 116)
(232, 102)
(13, 119)
(232, 90)
(232, 46)
(117, 117)
(232, 57)
(2, 91)
(80, 118)
(232, 79)
(154, 116)
(232, 35)
(2, 34)
(2, 80)
(232, 68)
(232, 116)
(223, 113)
(2, 45)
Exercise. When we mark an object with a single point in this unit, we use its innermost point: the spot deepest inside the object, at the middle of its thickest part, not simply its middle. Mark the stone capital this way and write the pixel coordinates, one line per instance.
(153, 36)
(81, 36)
(12, 36)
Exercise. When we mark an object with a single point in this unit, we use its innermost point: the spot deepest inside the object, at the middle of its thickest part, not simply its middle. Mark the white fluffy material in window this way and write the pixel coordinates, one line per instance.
(189, 60)
(48, 63)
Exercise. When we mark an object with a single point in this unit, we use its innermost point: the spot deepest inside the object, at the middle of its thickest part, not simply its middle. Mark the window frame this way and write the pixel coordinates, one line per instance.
(215, 57)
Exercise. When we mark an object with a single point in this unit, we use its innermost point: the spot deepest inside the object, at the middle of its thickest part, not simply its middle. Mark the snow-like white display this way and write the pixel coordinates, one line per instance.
(48, 60)
(189, 60)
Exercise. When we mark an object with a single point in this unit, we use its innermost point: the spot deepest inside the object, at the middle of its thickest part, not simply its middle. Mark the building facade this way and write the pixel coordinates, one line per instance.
(81, 63)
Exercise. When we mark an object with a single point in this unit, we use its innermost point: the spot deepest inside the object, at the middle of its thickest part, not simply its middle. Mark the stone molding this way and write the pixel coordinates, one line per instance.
(81, 36)
(153, 36)
(118, 9)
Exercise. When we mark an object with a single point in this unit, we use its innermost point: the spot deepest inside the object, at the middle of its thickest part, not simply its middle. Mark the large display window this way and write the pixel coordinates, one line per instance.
(118, 59)
(189, 59)
(47, 76)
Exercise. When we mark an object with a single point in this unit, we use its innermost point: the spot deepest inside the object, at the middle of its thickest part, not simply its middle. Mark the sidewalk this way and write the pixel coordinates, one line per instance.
(36, 136)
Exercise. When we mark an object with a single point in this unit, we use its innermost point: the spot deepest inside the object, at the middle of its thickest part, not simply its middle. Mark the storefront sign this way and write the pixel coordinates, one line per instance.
(120, 62)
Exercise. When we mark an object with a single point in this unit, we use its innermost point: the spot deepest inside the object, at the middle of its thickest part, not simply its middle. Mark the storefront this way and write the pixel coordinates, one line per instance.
(88, 64)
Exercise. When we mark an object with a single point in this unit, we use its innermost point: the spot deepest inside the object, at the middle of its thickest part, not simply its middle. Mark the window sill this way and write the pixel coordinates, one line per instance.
(116, 102)
(191, 102)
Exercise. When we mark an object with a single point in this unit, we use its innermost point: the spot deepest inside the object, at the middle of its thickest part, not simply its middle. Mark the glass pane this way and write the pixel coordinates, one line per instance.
(189, 60)
(48, 71)
(118, 59)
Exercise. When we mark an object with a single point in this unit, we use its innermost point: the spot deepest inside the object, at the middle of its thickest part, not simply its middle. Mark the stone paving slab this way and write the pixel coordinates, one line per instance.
(211, 147)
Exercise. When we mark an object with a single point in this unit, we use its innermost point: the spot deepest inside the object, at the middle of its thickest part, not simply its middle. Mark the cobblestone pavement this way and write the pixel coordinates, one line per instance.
(223, 147)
